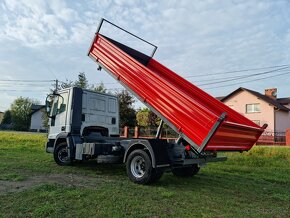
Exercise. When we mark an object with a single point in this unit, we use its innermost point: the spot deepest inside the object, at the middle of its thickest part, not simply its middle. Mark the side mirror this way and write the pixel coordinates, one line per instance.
(48, 104)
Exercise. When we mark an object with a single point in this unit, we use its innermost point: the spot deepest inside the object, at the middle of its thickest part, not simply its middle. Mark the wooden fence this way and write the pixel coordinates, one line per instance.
(267, 138)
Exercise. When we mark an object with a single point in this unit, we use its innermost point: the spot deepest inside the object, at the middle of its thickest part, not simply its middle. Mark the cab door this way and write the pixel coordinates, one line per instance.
(59, 114)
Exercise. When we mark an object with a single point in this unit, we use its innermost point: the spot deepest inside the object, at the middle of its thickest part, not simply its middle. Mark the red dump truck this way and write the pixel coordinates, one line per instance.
(205, 125)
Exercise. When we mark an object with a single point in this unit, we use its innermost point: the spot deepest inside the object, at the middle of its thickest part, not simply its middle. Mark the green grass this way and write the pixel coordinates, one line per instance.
(252, 184)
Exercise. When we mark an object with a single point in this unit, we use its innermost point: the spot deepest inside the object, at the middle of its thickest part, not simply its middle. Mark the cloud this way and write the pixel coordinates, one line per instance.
(6, 99)
(193, 37)
(36, 23)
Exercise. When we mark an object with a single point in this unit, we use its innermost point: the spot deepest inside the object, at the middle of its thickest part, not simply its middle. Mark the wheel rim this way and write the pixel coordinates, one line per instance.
(138, 166)
(63, 155)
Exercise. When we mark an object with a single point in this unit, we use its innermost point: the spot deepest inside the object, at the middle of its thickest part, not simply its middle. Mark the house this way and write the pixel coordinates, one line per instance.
(261, 108)
(36, 123)
(1, 116)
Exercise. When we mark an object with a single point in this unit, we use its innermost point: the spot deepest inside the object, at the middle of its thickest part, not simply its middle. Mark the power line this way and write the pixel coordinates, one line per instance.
(18, 80)
(230, 77)
(22, 90)
(24, 84)
(237, 71)
(244, 76)
(249, 80)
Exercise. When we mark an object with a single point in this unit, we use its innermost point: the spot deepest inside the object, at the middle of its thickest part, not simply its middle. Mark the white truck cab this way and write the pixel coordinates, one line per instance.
(93, 111)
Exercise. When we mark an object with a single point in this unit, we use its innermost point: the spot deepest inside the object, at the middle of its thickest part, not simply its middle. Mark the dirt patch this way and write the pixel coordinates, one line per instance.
(69, 180)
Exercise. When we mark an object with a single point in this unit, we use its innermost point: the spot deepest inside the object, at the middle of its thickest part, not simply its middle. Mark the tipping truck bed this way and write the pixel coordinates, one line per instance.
(203, 121)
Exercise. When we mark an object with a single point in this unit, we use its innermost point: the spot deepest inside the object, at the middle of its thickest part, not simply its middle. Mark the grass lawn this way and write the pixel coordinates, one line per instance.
(252, 184)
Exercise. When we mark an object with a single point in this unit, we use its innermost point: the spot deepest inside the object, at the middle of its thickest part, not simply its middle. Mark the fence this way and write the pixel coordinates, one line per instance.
(267, 138)
(136, 132)
(272, 138)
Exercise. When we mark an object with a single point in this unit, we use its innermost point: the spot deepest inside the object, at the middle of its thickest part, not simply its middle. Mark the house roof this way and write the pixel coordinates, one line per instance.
(277, 103)
(36, 107)
(283, 100)
(220, 97)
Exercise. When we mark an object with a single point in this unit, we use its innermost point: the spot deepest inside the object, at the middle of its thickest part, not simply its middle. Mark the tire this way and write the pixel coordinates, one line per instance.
(60, 155)
(186, 171)
(139, 168)
(156, 175)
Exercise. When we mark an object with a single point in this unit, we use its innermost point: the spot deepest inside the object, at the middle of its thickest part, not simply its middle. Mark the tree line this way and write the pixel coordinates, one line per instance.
(18, 117)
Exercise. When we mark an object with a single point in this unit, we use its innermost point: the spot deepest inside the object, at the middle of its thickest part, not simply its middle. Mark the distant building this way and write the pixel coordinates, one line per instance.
(37, 118)
(261, 108)
(1, 116)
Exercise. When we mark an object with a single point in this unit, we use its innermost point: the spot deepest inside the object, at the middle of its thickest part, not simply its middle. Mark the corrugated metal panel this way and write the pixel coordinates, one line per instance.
(188, 109)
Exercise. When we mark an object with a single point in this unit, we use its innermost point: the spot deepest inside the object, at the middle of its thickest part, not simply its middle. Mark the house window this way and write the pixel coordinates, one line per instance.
(256, 122)
(253, 108)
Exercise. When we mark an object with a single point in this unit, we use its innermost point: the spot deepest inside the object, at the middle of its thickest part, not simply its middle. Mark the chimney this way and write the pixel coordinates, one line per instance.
(272, 93)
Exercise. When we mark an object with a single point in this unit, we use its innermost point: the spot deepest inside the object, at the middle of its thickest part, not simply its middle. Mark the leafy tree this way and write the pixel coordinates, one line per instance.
(153, 119)
(100, 88)
(127, 112)
(82, 81)
(20, 113)
(66, 84)
(142, 117)
(147, 118)
(7, 117)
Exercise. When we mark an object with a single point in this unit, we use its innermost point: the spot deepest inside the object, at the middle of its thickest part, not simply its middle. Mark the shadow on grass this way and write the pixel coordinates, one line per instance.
(100, 168)
(206, 178)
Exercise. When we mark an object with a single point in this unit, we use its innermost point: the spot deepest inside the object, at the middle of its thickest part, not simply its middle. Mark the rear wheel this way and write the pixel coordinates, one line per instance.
(61, 156)
(139, 168)
(188, 171)
(157, 174)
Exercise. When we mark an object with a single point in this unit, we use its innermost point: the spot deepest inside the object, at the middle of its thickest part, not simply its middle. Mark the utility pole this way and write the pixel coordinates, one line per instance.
(56, 84)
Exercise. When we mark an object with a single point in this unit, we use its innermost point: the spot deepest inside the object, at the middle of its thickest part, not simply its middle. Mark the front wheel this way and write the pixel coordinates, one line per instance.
(61, 156)
(139, 168)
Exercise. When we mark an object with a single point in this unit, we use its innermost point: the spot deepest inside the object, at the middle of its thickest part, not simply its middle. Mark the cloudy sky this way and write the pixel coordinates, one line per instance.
(200, 40)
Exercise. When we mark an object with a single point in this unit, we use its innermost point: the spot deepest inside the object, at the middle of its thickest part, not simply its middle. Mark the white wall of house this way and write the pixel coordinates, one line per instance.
(282, 120)
(36, 121)
(239, 101)
(1, 116)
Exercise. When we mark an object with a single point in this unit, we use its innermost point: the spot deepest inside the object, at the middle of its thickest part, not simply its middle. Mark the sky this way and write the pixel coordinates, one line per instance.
(198, 39)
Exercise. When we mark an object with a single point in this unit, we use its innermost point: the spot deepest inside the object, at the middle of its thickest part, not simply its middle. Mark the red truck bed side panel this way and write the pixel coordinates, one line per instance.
(186, 107)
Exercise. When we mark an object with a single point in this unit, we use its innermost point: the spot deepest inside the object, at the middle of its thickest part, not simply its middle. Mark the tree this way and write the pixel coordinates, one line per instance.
(82, 81)
(66, 84)
(147, 118)
(142, 117)
(127, 112)
(153, 119)
(100, 88)
(7, 117)
(20, 113)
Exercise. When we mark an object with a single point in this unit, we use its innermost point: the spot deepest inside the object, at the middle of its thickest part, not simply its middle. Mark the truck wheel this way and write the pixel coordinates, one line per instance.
(60, 154)
(186, 171)
(157, 174)
(139, 167)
